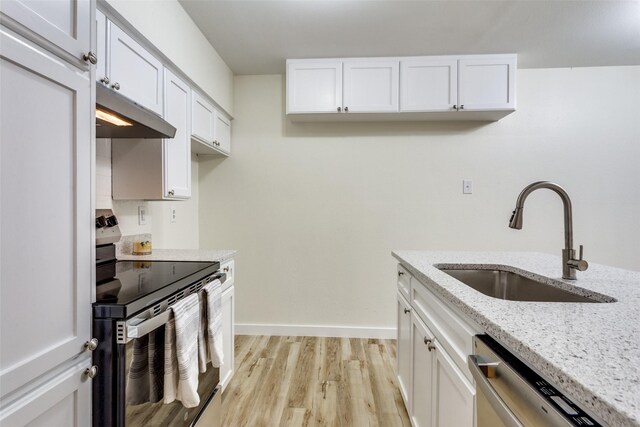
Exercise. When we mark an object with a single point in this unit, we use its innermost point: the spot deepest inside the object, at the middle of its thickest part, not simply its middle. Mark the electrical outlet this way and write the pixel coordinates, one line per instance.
(467, 186)
(172, 214)
(142, 215)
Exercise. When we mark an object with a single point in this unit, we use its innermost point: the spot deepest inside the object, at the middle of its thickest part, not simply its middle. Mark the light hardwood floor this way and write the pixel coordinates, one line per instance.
(308, 381)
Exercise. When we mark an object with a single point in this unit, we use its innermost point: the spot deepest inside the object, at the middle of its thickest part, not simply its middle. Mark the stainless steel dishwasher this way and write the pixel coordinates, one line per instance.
(509, 393)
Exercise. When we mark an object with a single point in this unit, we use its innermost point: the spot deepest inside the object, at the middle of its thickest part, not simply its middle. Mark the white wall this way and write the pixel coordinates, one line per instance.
(166, 24)
(315, 209)
(182, 234)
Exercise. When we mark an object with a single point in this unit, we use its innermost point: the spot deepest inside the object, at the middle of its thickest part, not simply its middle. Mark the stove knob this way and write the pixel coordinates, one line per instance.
(112, 221)
(101, 221)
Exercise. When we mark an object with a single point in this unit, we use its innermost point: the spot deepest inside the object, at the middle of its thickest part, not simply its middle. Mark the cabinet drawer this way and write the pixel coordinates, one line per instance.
(452, 331)
(404, 282)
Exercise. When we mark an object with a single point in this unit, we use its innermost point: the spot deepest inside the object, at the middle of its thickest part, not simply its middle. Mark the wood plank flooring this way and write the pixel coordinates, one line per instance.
(309, 381)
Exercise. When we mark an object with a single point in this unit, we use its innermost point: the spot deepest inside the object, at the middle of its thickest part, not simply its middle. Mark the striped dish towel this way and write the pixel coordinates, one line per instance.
(145, 380)
(210, 344)
(181, 353)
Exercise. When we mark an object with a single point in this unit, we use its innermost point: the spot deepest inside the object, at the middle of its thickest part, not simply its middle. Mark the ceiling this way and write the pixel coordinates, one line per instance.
(256, 37)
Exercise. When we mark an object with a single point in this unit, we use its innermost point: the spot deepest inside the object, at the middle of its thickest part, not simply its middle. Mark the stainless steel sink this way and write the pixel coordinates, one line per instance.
(513, 287)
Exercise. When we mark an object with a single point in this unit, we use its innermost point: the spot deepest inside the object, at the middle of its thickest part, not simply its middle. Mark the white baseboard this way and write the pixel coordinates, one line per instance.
(315, 331)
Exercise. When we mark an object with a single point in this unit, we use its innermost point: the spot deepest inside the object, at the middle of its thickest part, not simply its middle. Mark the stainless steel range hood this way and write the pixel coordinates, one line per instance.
(119, 117)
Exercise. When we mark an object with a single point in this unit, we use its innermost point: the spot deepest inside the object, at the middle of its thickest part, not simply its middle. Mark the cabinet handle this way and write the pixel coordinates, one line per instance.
(407, 310)
(91, 372)
(90, 57)
(116, 86)
(226, 269)
(431, 346)
(427, 341)
(91, 345)
(346, 109)
(400, 273)
(105, 80)
(171, 192)
(339, 109)
(462, 107)
(455, 107)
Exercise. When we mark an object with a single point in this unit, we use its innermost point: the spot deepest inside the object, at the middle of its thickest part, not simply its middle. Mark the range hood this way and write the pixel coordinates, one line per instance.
(119, 117)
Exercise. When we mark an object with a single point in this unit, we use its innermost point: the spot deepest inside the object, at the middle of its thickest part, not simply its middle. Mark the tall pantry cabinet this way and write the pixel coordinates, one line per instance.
(47, 102)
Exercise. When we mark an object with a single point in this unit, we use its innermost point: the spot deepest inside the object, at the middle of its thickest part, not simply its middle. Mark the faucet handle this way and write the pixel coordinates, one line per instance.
(579, 264)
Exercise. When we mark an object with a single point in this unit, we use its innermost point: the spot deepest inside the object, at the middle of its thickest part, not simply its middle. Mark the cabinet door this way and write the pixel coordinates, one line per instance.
(371, 86)
(453, 394)
(46, 204)
(65, 23)
(404, 348)
(101, 47)
(135, 71)
(64, 400)
(176, 152)
(428, 84)
(422, 373)
(228, 333)
(222, 138)
(202, 119)
(314, 86)
(487, 83)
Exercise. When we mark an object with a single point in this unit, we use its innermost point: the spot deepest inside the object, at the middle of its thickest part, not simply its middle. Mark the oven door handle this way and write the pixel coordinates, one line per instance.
(494, 399)
(143, 328)
(137, 330)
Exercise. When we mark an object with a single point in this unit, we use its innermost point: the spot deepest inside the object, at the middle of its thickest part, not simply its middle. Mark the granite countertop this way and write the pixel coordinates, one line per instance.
(180, 255)
(589, 351)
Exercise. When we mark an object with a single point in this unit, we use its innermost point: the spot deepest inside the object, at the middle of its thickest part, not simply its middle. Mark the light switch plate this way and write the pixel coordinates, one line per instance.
(172, 214)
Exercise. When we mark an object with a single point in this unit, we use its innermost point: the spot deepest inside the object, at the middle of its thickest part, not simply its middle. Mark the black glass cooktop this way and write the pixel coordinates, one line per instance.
(139, 284)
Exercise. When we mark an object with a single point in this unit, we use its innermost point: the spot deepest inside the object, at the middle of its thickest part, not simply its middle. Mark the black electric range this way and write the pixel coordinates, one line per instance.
(137, 285)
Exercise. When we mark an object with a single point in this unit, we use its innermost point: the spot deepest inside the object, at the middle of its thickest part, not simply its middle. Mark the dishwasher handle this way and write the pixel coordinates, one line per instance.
(496, 402)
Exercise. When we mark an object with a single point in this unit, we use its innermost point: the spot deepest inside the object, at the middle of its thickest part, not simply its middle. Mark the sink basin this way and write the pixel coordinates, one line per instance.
(513, 287)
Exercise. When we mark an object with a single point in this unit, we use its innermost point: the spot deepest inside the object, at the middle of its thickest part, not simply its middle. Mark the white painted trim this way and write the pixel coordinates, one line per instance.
(315, 331)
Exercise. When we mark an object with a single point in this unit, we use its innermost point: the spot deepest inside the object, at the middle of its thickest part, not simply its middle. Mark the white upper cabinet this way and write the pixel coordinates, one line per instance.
(487, 82)
(210, 129)
(429, 84)
(101, 47)
(152, 169)
(370, 86)
(203, 118)
(222, 132)
(177, 151)
(133, 71)
(471, 87)
(65, 24)
(314, 86)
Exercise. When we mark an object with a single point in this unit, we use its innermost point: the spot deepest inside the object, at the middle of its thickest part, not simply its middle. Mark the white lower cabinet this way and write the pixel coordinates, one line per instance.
(422, 358)
(65, 400)
(453, 394)
(228, 324)
(436, 391)
(404, 348)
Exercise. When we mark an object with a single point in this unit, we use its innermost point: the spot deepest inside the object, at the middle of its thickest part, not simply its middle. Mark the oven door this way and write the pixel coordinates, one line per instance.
(141, 388)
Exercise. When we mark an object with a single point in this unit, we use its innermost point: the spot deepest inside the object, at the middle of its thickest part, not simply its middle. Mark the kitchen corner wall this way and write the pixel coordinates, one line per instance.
(182, 234)
(316, 208)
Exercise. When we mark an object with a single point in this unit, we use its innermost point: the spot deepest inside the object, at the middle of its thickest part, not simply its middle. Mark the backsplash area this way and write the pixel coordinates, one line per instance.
(181, 234)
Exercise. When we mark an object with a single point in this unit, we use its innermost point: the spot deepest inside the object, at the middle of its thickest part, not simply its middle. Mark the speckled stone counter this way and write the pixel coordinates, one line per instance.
(590, 351)
(180, 255)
